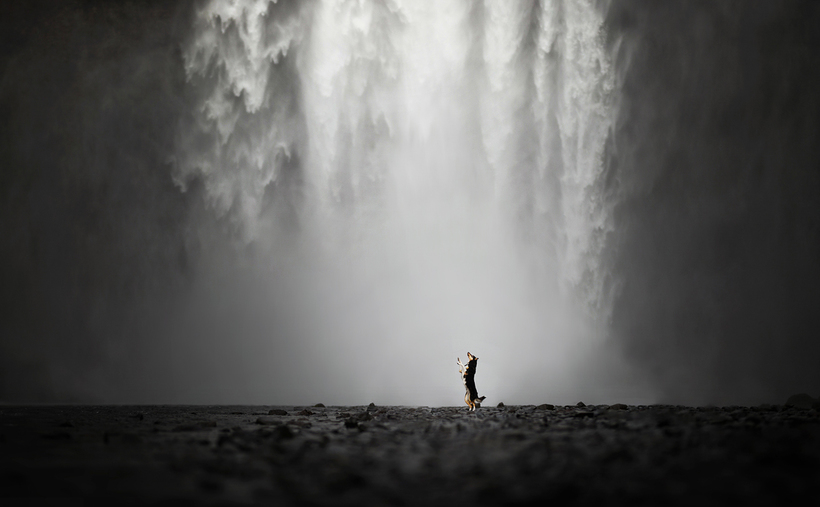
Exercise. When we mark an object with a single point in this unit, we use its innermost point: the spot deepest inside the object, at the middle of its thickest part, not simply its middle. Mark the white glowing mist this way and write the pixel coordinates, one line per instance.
(448, 192)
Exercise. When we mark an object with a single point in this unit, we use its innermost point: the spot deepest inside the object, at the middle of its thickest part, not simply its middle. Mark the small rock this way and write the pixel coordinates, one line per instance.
(265, 422)
(802, 400)
(304, 412)
(580, 404)
(618, 406)
(277, 411)
(282, 432)
(319, 405)
(500, 405)
(370, 407)
(545, 406)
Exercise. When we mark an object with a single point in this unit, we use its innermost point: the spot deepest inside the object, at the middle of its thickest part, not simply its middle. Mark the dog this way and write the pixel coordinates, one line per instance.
(467, 371)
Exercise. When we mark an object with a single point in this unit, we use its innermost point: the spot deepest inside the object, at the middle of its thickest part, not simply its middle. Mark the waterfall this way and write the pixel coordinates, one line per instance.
(423, 176)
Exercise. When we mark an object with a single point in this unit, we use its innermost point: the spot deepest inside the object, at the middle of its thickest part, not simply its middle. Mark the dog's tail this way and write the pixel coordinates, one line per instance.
(478, 401)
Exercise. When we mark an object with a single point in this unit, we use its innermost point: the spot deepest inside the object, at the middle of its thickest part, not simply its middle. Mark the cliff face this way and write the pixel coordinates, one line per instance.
(714, 169)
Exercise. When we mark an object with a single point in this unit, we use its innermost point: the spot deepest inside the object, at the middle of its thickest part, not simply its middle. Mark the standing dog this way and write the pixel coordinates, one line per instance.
(467, 371)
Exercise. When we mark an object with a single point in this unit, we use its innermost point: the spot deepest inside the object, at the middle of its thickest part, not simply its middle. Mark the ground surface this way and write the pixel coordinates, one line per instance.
(360, 455)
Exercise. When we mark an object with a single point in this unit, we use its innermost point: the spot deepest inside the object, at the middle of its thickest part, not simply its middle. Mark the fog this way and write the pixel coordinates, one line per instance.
(302, 202)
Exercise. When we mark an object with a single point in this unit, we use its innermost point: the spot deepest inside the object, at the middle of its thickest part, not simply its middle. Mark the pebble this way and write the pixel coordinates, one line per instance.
(418, 455)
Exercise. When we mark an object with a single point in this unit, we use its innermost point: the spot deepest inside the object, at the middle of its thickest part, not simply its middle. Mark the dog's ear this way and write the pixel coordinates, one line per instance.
(469, 356)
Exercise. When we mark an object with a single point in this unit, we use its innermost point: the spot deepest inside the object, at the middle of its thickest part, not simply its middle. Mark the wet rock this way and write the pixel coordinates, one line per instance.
(580, 404)
(802, 400)
(545, 406)
(618, 406)
(319, 405)
(282, 432)
(305, 412)
(500, 405)
(371, 407)
(277, 411)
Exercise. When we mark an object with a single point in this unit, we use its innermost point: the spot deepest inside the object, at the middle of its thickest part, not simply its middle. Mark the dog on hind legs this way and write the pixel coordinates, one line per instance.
(467, 371)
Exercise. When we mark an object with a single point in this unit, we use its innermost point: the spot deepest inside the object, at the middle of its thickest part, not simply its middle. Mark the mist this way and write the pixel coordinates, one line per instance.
(302, 202)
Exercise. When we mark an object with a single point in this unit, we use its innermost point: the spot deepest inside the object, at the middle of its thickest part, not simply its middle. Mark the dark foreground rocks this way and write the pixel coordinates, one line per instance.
(369, 455)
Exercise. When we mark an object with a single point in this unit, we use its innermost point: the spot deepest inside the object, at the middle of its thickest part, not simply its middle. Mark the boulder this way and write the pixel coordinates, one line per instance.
(801, 400)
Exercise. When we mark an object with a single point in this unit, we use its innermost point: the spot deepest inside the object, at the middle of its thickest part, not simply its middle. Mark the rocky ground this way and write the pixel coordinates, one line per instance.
(372, 455)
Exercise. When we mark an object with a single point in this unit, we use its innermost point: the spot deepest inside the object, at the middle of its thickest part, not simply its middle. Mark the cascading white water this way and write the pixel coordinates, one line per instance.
(443, 160)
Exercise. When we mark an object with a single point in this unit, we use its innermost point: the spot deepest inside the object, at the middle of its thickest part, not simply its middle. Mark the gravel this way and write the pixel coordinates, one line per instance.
(374, 455)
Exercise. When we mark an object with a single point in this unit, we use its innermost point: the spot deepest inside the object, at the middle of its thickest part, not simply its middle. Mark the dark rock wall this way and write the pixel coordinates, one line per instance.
(714, 166)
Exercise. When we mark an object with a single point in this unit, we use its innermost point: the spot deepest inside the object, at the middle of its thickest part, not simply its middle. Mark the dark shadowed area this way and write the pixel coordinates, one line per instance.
(162, 242)
(717, 170)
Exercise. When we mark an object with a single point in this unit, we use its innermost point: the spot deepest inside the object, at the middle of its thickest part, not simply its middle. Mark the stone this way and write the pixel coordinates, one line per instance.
(282, 432)
(500, 405)
(802, 401)
(580, 404)
(545, 406)
(277, 411)
(618, 406)
(304, 412)
(319, 405)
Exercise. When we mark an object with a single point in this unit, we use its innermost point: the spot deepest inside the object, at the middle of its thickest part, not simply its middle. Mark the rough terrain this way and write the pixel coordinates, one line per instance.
(373, 455)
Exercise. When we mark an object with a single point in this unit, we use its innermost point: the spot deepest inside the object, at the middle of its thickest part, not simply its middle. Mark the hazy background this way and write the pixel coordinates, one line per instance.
(199, 215)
